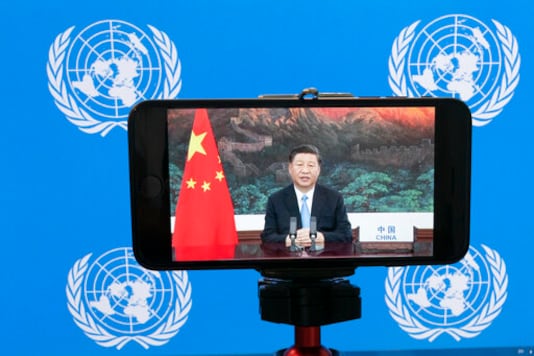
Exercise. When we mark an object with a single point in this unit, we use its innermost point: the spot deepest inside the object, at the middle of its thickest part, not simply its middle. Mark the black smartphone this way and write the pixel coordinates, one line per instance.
(205, 174)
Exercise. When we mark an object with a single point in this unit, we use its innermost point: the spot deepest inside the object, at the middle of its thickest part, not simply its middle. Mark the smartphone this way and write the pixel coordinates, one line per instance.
(203, 174)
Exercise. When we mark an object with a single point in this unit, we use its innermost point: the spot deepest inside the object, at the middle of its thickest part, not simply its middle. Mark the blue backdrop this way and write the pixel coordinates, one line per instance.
(71, 70)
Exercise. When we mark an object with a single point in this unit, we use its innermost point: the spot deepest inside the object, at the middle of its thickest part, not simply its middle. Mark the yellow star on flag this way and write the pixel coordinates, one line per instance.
(195, 144)
(219, 176)
(191, 183)
(206, 186)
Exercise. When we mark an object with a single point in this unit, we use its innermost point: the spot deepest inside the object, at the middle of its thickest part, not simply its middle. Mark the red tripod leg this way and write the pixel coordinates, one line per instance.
(307, 342)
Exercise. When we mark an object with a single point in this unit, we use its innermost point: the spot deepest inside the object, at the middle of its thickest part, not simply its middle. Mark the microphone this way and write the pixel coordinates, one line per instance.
(293, 227)
(313, 228)
(293, 234)
(313, 233)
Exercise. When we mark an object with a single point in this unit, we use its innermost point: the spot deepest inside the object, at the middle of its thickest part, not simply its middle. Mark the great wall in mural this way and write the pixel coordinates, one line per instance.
(251, 133)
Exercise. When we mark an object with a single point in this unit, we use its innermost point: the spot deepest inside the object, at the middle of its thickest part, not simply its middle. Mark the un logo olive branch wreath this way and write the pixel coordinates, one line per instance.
(410, 324)
(103, 337)
(67, 104)
(501, 95)
(512, 61)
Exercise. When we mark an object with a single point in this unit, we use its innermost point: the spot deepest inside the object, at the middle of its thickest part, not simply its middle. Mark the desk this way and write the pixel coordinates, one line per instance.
(280, 250)
(251, 247)
(328, 250)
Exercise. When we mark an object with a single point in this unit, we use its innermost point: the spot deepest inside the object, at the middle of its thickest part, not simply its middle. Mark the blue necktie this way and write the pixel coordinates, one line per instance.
(305, 213)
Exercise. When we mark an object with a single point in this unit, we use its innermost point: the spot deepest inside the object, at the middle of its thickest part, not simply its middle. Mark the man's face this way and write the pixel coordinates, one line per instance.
(304, 171)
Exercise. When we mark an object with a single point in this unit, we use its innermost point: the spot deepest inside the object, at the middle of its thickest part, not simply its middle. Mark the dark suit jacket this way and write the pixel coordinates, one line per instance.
(328, 207)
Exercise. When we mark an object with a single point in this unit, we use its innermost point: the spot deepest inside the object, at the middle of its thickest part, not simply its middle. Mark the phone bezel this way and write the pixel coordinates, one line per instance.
(149, 182)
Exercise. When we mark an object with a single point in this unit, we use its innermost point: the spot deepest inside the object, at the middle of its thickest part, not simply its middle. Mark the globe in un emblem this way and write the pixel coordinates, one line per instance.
(108, 67)
(459, 299)
(448, 295)
(457, 56)
(111, 65)
(124, 302)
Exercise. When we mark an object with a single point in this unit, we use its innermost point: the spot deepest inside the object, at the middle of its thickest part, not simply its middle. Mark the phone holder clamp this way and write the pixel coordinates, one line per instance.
(308, 299)
(308, 94)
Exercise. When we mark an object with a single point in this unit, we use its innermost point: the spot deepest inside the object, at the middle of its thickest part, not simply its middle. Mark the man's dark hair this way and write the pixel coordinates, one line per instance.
(306, 148)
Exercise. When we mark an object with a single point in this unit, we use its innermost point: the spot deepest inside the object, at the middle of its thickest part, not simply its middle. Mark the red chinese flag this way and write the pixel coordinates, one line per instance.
(204, 227)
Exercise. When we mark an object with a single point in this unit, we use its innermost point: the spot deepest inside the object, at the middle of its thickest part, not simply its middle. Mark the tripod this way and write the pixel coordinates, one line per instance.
(308, 299)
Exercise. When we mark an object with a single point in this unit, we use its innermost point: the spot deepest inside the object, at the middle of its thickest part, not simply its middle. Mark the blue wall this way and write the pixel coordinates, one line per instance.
(65, 222)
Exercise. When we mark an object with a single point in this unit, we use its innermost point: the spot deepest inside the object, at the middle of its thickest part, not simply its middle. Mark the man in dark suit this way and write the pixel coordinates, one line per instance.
(324, 203)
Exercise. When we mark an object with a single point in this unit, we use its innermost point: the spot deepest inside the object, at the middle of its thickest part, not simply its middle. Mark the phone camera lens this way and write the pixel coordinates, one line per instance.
(151, 187)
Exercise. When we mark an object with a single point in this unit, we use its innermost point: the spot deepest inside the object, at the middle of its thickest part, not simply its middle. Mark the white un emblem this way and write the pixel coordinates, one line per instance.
(114, 300)
(460, 300)
(457, 56)
(97, 75)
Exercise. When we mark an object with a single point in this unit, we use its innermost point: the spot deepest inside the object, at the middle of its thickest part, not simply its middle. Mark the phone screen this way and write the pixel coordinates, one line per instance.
(379, 159)
(214, 184)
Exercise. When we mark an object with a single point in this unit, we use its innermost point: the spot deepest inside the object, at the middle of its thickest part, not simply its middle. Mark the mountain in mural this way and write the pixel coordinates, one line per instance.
(250, 139)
